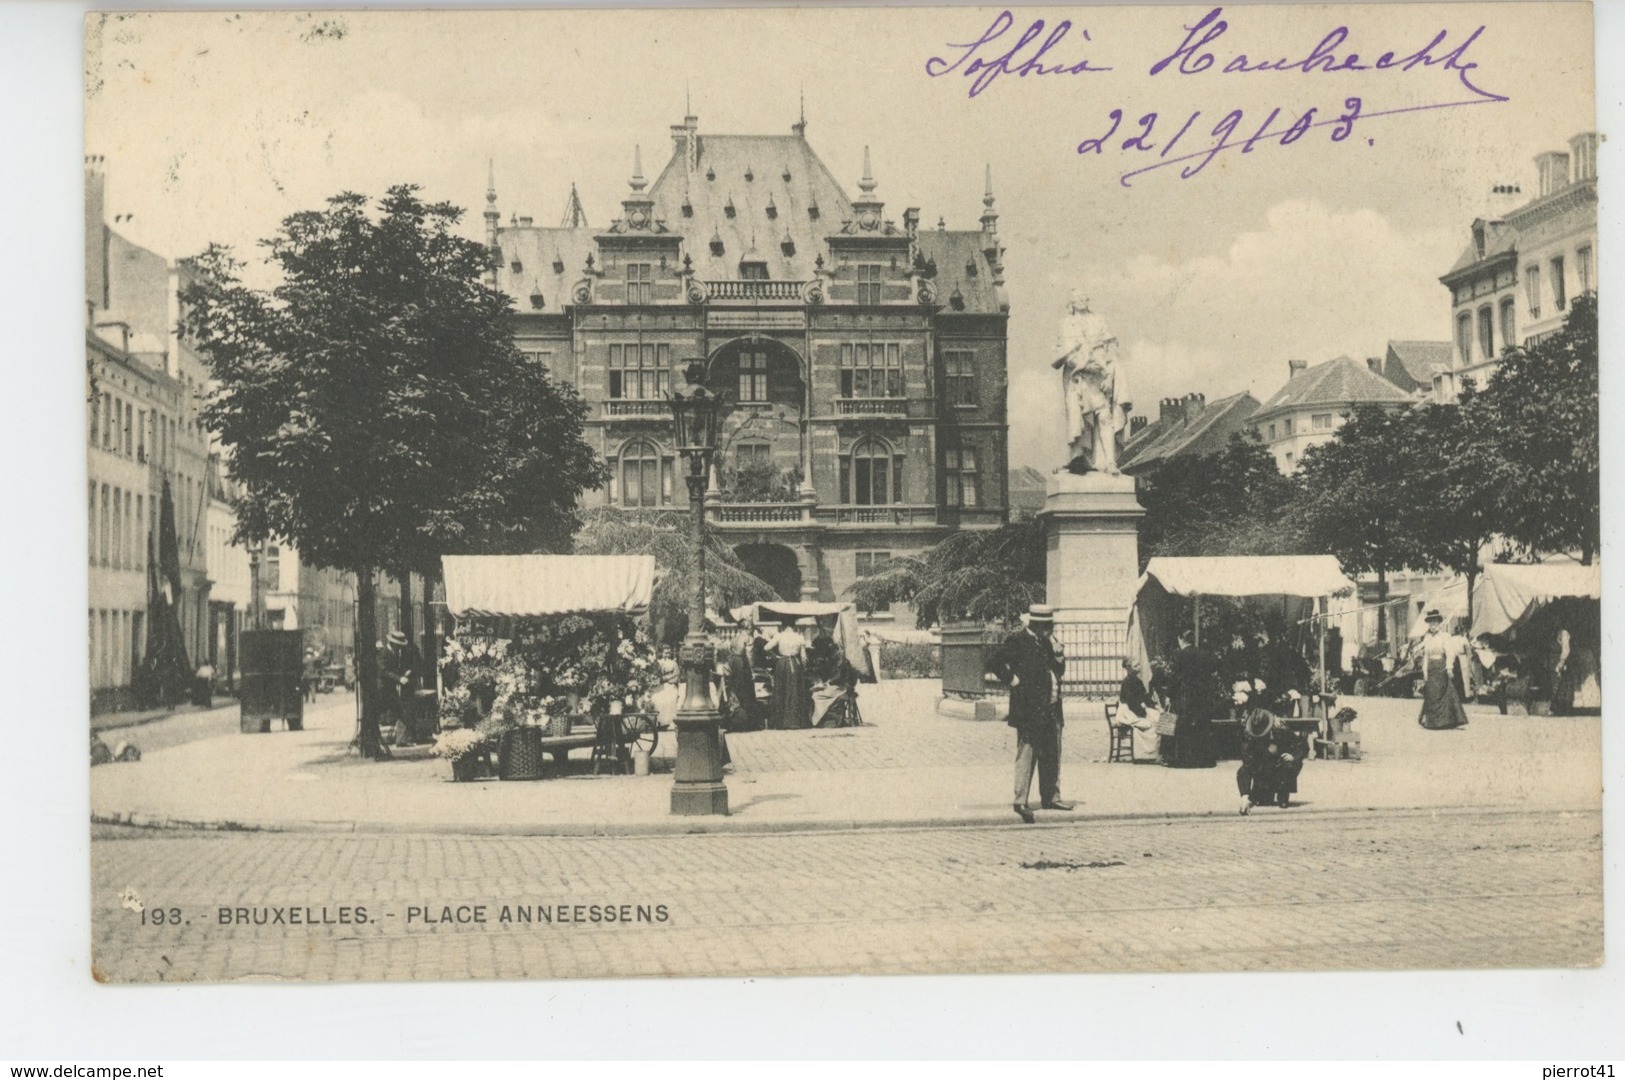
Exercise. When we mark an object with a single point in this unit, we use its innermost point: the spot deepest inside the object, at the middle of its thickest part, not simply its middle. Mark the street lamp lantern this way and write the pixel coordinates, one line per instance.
(698, 788)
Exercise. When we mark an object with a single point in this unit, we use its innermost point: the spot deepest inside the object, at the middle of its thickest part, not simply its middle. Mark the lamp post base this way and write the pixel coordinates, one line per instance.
(699, 788)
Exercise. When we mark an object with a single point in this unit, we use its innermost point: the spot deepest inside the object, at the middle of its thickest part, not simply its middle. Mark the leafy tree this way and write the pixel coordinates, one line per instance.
(1541, 403)
(1452, 490)
(1356, 495)
(1234, 502)
(989, 575)
(665, 535)
(376, 411)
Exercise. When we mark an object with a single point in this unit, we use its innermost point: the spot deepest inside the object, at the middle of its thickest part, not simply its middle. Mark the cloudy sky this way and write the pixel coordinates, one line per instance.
(215, 126)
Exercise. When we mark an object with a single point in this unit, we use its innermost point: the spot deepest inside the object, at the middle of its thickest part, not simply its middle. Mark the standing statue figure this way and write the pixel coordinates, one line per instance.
(1095, 389)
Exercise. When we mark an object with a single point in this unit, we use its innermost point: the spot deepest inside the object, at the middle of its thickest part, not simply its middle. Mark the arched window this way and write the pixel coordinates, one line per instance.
(1486, 332)
(644, 479)
(1464, 338)
(875, 476)
(1509, 324)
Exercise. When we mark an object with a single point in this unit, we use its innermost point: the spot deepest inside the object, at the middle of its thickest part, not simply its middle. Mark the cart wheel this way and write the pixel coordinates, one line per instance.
(642, 733)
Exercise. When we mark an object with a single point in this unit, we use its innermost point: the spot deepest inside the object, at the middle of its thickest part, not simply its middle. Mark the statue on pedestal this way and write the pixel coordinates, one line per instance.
(1095, 389)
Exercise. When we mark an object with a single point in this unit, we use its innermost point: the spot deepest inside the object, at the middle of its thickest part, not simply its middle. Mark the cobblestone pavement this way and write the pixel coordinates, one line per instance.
(1465, 889)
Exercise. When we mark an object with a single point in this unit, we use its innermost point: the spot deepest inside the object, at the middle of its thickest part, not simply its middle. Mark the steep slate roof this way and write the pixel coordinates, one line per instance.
(707, 186)
(718, 177)
(1420, 360)
(1499, 238)
(1211, 424)
(955, 252)
(538, 252)
(1336, 382)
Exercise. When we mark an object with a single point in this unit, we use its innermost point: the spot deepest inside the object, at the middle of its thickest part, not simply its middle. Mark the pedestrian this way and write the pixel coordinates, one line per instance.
(740, 680)
(399, 666)
(1272, 756)
(1195, 678)
(1133, 696)
(1444, 671)
(1030, 663)
(792, 697)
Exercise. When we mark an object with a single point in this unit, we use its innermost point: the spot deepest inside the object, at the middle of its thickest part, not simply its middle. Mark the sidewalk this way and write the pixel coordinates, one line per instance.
(114, 721)
(910, 768)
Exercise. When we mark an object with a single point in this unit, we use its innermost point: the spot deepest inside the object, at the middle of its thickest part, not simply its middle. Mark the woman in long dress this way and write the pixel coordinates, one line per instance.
(1443, 656)
(792, 700)
(1195, 681)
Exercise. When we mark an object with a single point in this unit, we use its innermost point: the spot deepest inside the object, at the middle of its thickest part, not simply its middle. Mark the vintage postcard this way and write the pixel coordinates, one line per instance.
(798, 492)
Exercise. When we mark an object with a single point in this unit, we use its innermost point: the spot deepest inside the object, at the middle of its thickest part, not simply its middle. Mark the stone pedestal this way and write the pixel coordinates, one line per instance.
(1092, 525)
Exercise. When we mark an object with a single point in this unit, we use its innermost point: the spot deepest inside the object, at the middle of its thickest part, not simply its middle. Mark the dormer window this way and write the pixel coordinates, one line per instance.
(753, 270)
(749, 174)
(812, 210)
(786, 176)
(536, 300)
(728, 207)
(517, 267)
(716, 243)
(688, 208)
(558, 265)
(710, 174)
(788, 245)
(970, 267)
(772, 208)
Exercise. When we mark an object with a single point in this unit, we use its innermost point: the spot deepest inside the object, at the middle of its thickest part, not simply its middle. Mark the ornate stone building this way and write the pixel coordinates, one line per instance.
(865, 355)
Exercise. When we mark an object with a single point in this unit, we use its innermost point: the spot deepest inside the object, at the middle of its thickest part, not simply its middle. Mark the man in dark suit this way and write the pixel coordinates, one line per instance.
(1030, 663)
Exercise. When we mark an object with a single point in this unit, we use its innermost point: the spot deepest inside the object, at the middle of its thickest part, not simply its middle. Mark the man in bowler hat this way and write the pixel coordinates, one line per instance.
(1030, 663)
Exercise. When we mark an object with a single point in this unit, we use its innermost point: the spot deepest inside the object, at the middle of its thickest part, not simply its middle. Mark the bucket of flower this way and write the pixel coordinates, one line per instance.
(467, 751)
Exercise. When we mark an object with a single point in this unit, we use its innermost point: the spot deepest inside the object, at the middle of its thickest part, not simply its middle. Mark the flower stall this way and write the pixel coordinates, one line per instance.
(550, 653)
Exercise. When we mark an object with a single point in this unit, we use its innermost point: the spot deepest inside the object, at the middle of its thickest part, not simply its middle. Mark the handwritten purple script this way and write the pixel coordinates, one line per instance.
(982, 61)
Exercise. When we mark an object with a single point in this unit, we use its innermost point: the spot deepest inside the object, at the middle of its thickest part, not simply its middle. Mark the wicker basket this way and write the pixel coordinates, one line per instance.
(470, 766)
(521, 754)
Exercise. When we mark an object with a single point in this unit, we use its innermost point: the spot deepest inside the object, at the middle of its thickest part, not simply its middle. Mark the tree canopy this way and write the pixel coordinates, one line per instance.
(988, 575)
(1234, 502)
(373, 405)
(1541, 403)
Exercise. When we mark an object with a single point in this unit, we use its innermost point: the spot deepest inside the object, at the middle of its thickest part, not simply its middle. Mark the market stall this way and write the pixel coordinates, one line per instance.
(1294, 590)
(833, 702)
(549, 654)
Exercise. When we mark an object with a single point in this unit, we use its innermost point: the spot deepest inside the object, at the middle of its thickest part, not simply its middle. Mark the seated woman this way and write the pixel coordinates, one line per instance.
(1142, 708)
(834, 682)
(1271, 757)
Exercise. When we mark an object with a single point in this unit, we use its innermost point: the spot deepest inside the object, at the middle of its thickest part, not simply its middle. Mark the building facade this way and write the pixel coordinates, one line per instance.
(1185, 427)
(865, 357)
(1513, 282)
(1314, 403)
(144, 429)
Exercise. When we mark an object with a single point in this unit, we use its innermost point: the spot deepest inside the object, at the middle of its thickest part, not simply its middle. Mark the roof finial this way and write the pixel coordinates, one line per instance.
(867, 184)
(491, 181)
(688, 103)
(638, 183)
(987, 195)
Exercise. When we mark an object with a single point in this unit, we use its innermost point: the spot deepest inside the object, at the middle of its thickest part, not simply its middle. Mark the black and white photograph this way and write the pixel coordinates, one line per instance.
(596, 494)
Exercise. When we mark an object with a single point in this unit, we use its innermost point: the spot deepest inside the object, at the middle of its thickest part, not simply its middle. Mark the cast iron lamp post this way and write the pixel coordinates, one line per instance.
(699, 788)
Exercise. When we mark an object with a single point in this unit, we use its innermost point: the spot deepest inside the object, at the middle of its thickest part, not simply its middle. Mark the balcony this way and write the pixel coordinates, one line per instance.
(872, 406)
(621, 408)
(893, 514)
(759, 514)
(779, 291)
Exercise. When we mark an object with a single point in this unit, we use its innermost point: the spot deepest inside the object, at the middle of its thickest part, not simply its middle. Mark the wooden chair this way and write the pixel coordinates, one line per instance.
(1121, 735)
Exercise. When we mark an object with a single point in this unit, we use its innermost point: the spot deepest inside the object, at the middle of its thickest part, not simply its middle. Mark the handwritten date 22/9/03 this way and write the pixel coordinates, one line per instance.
(1230, 133)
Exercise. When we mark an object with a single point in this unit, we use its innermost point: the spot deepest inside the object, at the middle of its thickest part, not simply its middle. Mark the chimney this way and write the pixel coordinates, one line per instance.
(1171, 411)
(1294, 368)
(1504, 198)
(1136, 424)
(1195, 403)
(525, 222)
(1553, 167)
(1375, 364)
(1583, 148)
(911, 221)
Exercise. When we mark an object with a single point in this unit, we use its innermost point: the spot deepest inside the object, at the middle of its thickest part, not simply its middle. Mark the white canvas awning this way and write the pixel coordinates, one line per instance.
(514, 586)
(1506, 594)
(846, 621)
(1249, 575)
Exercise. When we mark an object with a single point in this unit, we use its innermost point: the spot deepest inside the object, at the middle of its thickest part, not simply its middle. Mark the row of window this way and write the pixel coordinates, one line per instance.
(639, 277)
(118, 528)
(643, 373)
(1505, 319)
(116, 641)
(119, 427)
(871, 475)
(1287, 426)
